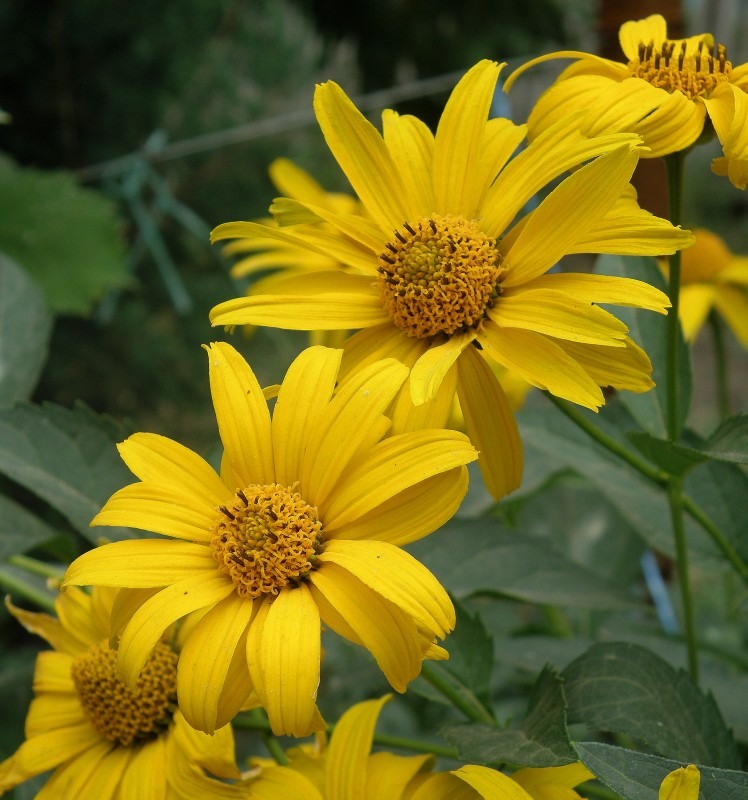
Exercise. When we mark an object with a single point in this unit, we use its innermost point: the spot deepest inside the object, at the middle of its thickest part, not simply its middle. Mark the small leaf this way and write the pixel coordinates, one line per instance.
(540, 741)
(625, 689)
(673, 458)
(67, 458)
(471, 653)
(638, 776)
(730, 441)
(25, 325)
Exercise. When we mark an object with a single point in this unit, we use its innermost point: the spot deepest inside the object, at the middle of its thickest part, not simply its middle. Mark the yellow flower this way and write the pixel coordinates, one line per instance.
(304, 524)
(681, 784)
(347, 770)
(100, 739)
(445, 280)
(664, 92)
(713, 278)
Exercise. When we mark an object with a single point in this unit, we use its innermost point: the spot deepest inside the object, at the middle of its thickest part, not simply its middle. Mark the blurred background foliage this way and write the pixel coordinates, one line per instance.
(107, 277)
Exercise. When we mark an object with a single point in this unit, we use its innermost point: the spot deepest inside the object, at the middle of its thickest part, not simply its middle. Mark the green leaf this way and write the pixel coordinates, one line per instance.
(68, 238)
(625, 689)
(673, 458)
(20, 530)
(637, 776)
(730, 441)
(540, 741)
(514, 565)
(471, 653)
(649, 330)
(25, 325)
(67, 458)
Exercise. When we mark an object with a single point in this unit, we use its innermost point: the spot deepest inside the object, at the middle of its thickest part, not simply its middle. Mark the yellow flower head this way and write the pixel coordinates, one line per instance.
(348, 770)
(663, 91)
(303, 525)
(713, 278)
(100, 737)
(450, 273)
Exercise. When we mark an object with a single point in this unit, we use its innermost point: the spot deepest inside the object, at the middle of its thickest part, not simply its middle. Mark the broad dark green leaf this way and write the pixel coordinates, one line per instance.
(637, 776)
(66, 458)
(540, 741)
(625, 689)
(471, 652)
(20, 530)
(649, 330)
(730, 441)
(25, 325)
(67, 237)
(673, 458)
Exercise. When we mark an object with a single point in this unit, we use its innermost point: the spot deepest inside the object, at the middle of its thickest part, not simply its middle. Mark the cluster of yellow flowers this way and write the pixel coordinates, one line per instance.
(446, 279)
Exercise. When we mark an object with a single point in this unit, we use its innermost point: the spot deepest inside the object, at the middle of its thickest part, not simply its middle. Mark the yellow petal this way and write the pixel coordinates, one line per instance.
(348, 753)
(413, 513)
(71, 778)
(52, 672)
(289, 654)
(622, 368)
(458, 141)
(673, 126)
(145, 778)
(568, 212)
(491, 783)
(555, 313)
(501, 139)
(549, 783)
(631, 34)
(381, 627)
(363, 156)
(283, 783)
(681, 784)
(280, 257)
(49, 628)
(429, 371)
(305, 392)
(434, 413)
(155, 615)
(541, 362)
(733, 305)
(411, 145)
(696, 301)
(611, 68)
(442, 786)
(318, 301)
(490, 424)
(293, 181)
(50, 712)
(128, 601)
(213, 752)
(389, 775)
(243, 416)
(205, 659)
(163, 462)
(140, 564)
(391, 466)
(398, 577)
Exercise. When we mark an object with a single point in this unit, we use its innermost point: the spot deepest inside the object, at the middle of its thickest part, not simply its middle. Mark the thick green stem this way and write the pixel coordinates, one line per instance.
(470, 706)
(675, 496)
(730, 553)
(720, 365)
(36, 567)
(15, 585)
(275, 749)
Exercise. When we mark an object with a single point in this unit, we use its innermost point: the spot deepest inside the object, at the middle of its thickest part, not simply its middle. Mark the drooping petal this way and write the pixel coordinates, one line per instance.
(411, 145)
(696, 301)
(292, 181)
(443, 786)
(491, 783)
(673, 126)
(733, 305)
(242, 414)
(429, 371)
(212, 752)
(434, 413)
(547, 783)
(490, 424)
(389, 775)
(348, 753)
(622, 368)
(49, 628)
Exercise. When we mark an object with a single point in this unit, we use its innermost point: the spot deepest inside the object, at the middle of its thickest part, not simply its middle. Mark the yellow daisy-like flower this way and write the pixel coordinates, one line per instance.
(348, 770)
(664, 92)
(446, 280)
(681, 784)
(713, 278)
(100, 738)
(304, 524)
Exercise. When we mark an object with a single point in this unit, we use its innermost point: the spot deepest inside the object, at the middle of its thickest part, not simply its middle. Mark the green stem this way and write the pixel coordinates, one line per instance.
(730, 553)
(11, 583)
(675, 496)
(720, 365)
(674, 169)
(470, 706)
(275, 749)
(36, 567)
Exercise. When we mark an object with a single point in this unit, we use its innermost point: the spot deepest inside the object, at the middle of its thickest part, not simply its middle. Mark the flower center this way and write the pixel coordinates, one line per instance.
(694, 75)
(439, 276)
(119, 713)
(268, 538)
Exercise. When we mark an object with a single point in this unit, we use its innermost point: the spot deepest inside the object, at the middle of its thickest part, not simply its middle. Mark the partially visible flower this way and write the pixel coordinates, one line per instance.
(681, 784)
(713, 278)
(101, 739)
(304, 525)
(348, 770)
(451, 274)
(663, 91)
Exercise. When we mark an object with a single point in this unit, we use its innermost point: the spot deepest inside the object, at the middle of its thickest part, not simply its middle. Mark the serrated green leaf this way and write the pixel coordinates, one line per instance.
(471, 653)
(66, 458)
(20, 530)
(514, 565)
(730, 441)
(673, 458)
(68, 238)
(649, 330)
(625, 689)
(540, 741)
(25, 325)
(637, 776)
